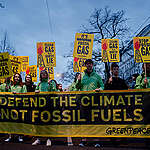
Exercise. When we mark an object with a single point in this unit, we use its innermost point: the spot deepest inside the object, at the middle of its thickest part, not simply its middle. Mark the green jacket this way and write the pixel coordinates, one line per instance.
(90, 82)
(3, 87)
(72, 87)
(18, 89)
(140, 82)
(45, 87)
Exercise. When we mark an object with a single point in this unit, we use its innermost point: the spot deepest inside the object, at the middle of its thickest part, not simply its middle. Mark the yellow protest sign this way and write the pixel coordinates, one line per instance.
(24, 63)
(141, 49)
(5, 66)
(79, 64)
(83, 45)
(50, 71)
(110, 50)
(16, 64)
(46, 54)
(32, 70)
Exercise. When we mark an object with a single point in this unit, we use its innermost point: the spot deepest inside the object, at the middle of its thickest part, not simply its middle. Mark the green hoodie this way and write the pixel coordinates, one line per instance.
(140, 82)
(72, 87)
(3, 87)
(90, 82)
(45, 87)
(18, 89)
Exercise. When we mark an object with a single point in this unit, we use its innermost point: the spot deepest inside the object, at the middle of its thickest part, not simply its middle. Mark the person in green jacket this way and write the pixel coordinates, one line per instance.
(6, 86)
(44, 85)
(72, 87)
(17, 87)
(143, 80)
(89, 80)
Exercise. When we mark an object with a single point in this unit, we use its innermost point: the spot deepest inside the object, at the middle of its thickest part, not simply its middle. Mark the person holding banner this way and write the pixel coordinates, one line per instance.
(17, 87)
(88, 81)
(29, 84)
(143, 80)
(44, 86)
(72, 87)
(6, 86)
(114, 82)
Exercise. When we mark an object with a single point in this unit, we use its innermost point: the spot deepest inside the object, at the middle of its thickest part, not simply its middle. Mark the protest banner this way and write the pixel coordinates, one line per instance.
(123, 113)
(5, 66)
(16, 64)
(32, 70)
(83, 45)
(141, 49)
(110, 50)
(24, 63)
(46, 54)
(50, 71)
(79, 64)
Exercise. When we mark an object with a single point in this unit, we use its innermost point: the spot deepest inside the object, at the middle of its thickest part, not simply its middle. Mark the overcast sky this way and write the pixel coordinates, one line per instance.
(26, 22)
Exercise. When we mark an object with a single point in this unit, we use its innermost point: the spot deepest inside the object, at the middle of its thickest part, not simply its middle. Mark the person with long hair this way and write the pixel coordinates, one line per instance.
(44, 85)
(17, 87)
(30, 86)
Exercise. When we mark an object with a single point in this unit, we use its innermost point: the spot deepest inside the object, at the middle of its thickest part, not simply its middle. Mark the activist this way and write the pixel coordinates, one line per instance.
(6, 86)
(115, 82)
(143, 80)
(30, 86)
(133, 80)
(89, 80)
(59, 87)
(72, 87)
(17, 87)
(45, 86)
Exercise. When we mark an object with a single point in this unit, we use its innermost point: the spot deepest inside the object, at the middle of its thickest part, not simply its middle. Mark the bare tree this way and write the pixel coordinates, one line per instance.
(105, 24)
(5, 45)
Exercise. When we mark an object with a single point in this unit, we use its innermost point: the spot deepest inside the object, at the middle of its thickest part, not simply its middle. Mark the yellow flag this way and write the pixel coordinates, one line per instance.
(141, 49)
(110, 50)
(5, 66)
(16, 64)
(46, 54)
(24, 63)
(83, 45)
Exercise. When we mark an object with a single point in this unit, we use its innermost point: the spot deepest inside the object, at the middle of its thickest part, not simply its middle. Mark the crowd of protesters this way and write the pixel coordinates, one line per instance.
(86, 81)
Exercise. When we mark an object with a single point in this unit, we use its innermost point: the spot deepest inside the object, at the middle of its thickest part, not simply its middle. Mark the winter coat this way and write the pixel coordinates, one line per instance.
(116, 84)
(44, 86)
(90, 82)
(140, 82)
(18, 89)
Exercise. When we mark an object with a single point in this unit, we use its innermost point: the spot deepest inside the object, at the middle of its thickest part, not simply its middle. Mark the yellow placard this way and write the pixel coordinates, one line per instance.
(83, 45)
(33, 72)
(141, 49)
(110, 50)
(46, 54)
(5, 66)
(24, 63)
(79, 64)
(50, 71)
(16, 64)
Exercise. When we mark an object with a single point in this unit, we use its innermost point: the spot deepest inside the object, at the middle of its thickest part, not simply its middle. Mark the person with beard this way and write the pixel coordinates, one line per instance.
(115, 82)
(88, 81)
